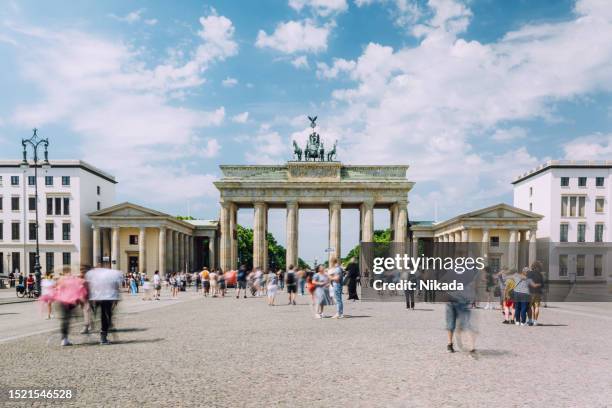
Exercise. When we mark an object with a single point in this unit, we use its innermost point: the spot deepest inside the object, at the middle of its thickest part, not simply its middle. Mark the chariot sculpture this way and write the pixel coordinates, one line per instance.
(315, 149)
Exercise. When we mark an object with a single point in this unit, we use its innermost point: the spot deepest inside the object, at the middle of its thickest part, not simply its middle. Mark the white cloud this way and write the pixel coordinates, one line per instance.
(339, 65)
(241, 117)
(429, 104)
(122, 111)
(131, 17)
(597, 146)
(323, 8)
(229, 82)
(150, 21)
(268, 147)
(295, 36)
(300, 62)
(405, 13)
(513, 133)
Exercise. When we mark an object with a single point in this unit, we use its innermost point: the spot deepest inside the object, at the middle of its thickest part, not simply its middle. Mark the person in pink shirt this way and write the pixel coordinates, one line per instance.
(70, 292)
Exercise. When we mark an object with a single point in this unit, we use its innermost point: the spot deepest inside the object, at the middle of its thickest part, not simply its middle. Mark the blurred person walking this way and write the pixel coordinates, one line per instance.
(221, 282)
(271, 288)
(47, 288)
(535, 292)
(69, 293)
(320, 281)
(213, 282)
(205, 281)
(291, 281)
(156, 285)
(335, 275)
(352, 275)
(104, 286)
(521, 296)
(241, 281)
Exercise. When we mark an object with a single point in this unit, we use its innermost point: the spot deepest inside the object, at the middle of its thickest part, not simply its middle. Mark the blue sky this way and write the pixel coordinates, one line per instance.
(468, 93)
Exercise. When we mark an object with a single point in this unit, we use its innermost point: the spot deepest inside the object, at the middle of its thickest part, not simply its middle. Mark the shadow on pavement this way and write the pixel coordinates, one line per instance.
(116, 342)
(550, 325)
(129, 330)
(493, 353)
(8, 313)
(355, 316)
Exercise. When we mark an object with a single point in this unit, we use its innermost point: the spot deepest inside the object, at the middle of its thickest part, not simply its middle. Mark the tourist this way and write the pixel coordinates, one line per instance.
(490, 287)
(458, 314)
(280, 274)
(221, 283)
(205, 281)
(291, 281)
(88, 307)
(535, 292)
(271, 288)
(320, 281)
(352, 275)
(147, 289)
(213, 282)
(301, 280)
(507, 284)
(258, 281)
(133, 287)
(198, 281)
(104, 285)
(11, 277)
(70, 291)
(335, 275)
(310, 287)
(241, 281)
(30, 284)
(413, 279)
(157, 285)
(174, 284)
(521, 296)
(47, 288)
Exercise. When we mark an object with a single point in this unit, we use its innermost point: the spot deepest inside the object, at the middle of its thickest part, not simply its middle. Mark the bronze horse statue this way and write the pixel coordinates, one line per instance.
(332, 153)
(297, 151)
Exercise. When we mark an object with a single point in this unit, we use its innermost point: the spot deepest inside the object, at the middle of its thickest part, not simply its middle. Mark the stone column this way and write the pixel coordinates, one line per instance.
(115, 248)
(175, 251)
(191, 253)
(211, 253)
(532, 246)
(259, 238)
(415, 247)
(142, 250)
(367, 210)
(233, 210)
(393, 221)
(485, 245)
(292, 233)
(95, 246)
(401, 222)
(225, 238)
(265, 246)
(512, 250)
(335, 211)
(181, 252)
(161, 267)
(105, 237)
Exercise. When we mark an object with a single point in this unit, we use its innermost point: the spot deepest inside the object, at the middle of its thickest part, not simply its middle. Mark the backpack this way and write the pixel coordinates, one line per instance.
(290, 278)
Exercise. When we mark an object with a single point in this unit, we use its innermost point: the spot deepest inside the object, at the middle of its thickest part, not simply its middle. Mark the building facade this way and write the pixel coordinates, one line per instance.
(67, 192)
(504, 235)
(132, 238)
(574, 198)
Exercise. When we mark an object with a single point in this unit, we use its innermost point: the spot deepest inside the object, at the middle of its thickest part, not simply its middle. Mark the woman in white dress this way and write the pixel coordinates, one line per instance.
(272, 288)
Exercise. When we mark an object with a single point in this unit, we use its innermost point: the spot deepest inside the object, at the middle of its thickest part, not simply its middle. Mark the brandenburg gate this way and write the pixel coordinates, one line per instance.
(308, 184)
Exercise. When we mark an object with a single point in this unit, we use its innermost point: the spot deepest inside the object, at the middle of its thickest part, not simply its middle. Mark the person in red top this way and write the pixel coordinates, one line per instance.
(30, 283)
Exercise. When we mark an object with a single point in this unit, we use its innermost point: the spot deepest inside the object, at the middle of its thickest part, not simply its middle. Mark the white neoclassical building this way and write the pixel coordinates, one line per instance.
(67, 192)
(133, 238)
(574, 198)
(503, 234)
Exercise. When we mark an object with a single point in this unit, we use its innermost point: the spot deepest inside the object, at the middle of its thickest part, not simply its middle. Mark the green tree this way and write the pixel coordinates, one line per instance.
(380, 236)
(276, 253)
(184, 217)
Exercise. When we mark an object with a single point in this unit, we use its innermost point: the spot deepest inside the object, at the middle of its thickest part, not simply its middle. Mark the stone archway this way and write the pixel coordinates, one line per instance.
(296, 185)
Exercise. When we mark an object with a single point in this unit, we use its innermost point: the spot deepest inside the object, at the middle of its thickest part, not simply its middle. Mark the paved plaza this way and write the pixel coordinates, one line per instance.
(240, 352)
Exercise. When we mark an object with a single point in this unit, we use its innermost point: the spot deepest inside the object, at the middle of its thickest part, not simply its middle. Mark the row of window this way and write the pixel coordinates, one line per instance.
(581, 233)
(582, 182)
(573, 206)
(49, 261)
(580, 265)
(49, 231)
(32, 180)
(55, 205)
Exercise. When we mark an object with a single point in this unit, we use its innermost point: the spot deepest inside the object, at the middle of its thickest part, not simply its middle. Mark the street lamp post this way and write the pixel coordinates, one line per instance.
(34, 142)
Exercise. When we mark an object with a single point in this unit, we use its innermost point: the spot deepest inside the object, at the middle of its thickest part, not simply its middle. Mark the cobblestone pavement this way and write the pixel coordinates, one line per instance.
(240, 352)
